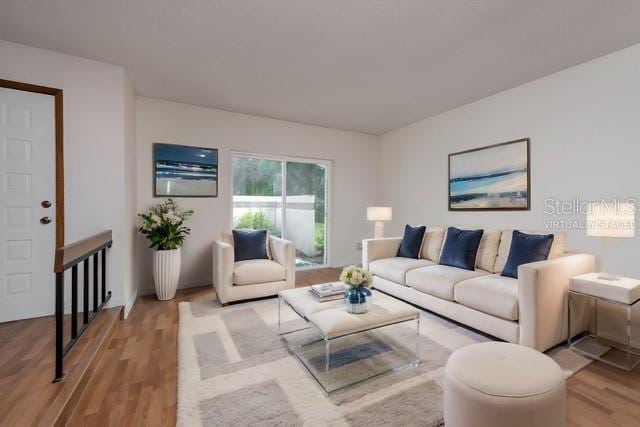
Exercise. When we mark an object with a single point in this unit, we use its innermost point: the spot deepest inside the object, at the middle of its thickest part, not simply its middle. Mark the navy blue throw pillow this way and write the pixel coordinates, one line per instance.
(249, 244)
(460, 248)
(411, 241)
(526, 248)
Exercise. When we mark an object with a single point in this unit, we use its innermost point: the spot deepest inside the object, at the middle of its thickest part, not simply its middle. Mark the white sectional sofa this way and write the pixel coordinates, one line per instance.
(530, 310)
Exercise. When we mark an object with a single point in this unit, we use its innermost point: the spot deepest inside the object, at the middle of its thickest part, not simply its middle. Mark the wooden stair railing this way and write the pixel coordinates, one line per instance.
(68, 258)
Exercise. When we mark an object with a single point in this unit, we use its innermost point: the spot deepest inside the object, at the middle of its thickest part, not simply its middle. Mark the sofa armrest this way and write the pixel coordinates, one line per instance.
(542, 298)
(284, 253)
(385, 247)
(223, 259)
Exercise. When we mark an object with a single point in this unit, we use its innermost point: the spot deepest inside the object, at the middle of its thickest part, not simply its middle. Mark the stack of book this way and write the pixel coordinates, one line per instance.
(328, 291)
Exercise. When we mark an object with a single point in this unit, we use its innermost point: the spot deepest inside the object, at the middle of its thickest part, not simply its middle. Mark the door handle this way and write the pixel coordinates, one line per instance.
(45, 220)
(45, 204)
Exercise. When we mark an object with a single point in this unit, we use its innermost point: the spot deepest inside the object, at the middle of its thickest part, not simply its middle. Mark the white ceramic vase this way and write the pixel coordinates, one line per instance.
(166, 272)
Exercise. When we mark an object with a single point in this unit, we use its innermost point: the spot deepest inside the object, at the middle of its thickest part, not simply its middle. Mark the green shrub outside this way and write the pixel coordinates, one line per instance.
(319, 238)
(257, 220)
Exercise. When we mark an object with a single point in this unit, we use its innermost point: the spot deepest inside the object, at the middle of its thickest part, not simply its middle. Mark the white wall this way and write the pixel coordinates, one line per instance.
(94, 148)
(354, 159)
(584, 125)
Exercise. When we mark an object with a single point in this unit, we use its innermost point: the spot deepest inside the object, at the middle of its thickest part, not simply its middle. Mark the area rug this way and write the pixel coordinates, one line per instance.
(235, 370)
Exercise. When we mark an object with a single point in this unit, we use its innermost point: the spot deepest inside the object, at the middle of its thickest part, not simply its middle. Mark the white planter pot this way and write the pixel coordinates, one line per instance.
(166, 273)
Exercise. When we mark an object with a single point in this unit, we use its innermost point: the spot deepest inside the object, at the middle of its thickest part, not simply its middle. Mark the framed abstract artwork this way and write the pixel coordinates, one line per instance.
(184, 171)
(492, 178)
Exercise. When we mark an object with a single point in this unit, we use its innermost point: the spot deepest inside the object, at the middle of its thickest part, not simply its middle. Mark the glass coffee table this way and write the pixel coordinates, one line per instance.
(340, 349)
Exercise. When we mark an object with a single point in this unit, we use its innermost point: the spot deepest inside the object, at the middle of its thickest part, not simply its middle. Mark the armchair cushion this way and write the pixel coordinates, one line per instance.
(254, 271)
(249, 244)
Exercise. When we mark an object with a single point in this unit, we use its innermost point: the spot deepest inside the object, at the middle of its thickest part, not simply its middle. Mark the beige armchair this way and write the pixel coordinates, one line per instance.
(235, 281)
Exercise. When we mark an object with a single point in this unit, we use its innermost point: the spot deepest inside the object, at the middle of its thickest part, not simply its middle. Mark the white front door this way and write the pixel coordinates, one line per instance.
(27, 183)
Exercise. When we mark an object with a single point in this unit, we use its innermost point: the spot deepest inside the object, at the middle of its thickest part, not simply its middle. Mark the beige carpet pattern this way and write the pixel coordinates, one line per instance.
(235, 370)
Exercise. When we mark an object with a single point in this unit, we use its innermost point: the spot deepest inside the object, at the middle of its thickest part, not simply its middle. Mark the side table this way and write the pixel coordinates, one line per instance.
(624, 292)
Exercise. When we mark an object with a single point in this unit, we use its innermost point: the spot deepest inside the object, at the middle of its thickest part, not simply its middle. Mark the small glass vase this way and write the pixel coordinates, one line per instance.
(357, 299)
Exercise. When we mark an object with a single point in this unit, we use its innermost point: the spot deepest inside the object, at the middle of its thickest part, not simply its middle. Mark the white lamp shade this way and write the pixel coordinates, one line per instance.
(611, 219)
(378, 213)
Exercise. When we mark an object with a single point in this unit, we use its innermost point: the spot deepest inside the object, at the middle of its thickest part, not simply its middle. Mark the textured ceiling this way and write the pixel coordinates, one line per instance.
(368, 66)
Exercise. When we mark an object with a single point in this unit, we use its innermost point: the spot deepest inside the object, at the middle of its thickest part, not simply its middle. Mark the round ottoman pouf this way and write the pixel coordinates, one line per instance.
(496, 384)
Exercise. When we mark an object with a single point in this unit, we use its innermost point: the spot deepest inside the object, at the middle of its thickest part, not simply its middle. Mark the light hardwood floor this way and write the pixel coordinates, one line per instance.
(27, 394)
(135, 382)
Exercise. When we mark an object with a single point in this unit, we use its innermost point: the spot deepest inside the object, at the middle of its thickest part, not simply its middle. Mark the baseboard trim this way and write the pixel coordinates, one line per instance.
(115, 303)
(129, 304)
(152, 291)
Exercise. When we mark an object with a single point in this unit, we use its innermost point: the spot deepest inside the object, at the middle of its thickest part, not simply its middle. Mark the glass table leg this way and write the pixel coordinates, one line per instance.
(628, 310)
(569, 319)
(596, 316)
(417, 340)
(327, 360)
(279, 314)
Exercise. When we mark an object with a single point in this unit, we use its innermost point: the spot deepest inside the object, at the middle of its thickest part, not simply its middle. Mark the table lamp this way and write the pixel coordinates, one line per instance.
(378, 214)
(610, 220)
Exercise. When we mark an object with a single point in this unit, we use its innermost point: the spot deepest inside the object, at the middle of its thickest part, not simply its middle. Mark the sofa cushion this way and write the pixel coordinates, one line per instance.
(493, 294)
(440, 280)
(488, 249)
(254, 271)
(526, 248)
(411, 241)
(557, 247)
(395, 269)
(460, 248)
(432, 243)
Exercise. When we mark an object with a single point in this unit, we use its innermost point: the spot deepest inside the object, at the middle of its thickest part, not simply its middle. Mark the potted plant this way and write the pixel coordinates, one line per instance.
(358, 295)
(163, 225)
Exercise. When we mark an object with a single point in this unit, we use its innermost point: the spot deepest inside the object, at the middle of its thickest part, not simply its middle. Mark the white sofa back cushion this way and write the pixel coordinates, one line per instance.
(556, 251)
(488, 249)
(432, 243)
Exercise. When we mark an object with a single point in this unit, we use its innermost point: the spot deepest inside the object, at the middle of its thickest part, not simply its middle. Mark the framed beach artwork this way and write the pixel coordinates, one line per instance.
(184, 171)
(492, 178)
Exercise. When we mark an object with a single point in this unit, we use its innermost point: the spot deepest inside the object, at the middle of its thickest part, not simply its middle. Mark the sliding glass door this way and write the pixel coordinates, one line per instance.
(257, 194)
(286, 196)
(305, 211)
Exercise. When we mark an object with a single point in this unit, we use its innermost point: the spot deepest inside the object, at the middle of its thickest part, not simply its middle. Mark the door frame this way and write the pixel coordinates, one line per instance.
(328, 193)
(59, 136)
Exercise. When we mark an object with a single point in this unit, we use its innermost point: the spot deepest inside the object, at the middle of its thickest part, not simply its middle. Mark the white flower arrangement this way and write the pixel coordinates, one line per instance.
(163, 225)
(356, 277)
